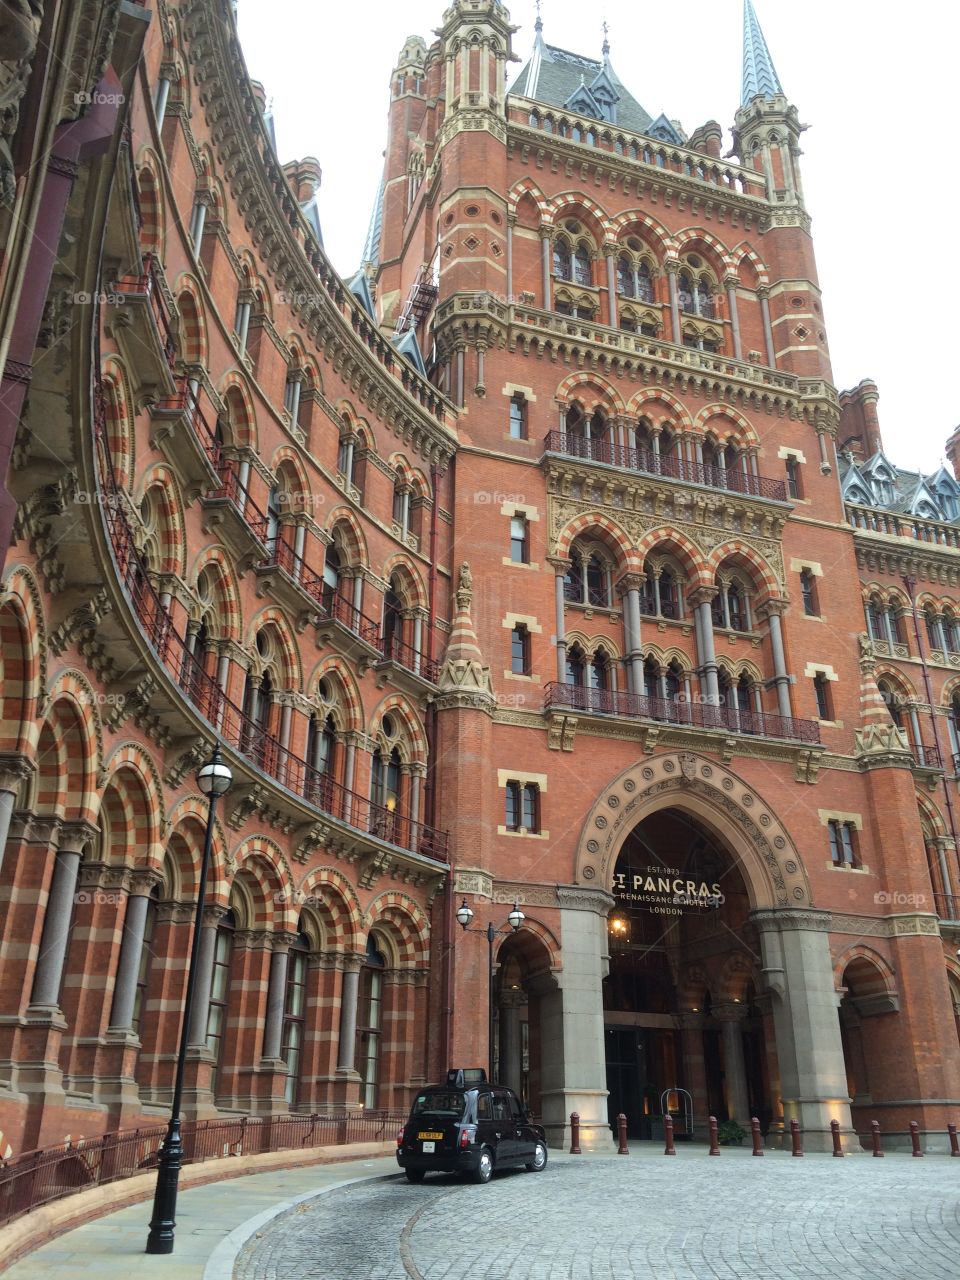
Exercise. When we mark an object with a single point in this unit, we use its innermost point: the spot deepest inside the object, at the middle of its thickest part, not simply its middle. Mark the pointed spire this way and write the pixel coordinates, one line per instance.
(538, 25)
(606, 43)
(464, 672)
(759, 73)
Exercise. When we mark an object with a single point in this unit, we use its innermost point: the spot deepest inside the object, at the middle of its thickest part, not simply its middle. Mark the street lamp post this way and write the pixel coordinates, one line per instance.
(515, 919)
(214, 780)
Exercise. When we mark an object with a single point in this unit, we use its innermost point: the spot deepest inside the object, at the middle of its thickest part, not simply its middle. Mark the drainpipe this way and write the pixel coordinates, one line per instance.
(911, 586)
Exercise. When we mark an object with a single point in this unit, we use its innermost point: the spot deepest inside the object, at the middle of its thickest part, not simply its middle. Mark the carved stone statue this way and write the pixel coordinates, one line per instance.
(18, 42)
(464, 587)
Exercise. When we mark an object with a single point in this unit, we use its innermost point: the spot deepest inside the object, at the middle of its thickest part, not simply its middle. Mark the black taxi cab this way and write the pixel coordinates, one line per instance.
(469, 1126)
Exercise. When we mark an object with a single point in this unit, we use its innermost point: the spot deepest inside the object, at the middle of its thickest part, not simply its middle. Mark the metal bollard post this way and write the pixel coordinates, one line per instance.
(714, 1143)
(875, 1131)
(668, 1148)
(954, 1145)
(622, 1149)
(835, 1135)
(757, 1136)
(795, 1138)
(575, 1133)
(915, 1138)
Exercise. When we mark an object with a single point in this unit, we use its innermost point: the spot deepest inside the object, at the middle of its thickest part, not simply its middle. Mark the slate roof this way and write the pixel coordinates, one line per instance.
(552, 76)
(892, 488)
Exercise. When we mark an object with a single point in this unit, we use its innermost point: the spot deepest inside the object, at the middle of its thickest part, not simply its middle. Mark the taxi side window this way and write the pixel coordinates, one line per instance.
(484, 1110)
(502, 1107)
(515, 1109)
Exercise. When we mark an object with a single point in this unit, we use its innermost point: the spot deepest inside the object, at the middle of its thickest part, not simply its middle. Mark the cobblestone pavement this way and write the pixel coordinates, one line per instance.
(689, 1218)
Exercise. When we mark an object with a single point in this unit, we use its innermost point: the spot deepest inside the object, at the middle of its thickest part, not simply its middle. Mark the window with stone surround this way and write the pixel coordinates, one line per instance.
(843, 843)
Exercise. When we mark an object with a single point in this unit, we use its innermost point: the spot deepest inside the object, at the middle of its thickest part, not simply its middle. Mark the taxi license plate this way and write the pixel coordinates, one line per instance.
(427, 1135)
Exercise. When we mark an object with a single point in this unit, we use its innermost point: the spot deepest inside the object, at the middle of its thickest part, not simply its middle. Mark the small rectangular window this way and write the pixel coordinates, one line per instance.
(793, 478)
(518, 418)
(522, 807)
(821, 687)
(520, 651)
(512, 814)
(531, 807)
(842, 843)
(808, 589)
(519, 551)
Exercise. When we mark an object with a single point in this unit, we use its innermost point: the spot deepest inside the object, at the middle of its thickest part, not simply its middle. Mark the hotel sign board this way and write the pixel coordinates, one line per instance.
(664, 891)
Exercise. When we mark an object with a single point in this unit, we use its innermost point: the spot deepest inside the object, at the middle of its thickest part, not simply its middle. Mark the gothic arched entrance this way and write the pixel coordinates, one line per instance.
(788, 982)
(684, 1026)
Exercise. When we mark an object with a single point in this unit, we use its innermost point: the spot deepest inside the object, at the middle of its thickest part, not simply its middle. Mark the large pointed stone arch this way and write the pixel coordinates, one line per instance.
(772, 869)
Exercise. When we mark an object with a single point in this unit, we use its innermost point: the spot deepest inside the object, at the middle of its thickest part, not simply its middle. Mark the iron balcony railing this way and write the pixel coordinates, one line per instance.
(147, 285)
(926, 756)
(36, 1178)
(679, 711)
(732, 479)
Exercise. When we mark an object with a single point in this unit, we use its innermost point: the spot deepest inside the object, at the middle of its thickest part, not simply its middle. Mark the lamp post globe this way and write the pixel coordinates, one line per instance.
(464, 914)
(516, 917)
(215, 778)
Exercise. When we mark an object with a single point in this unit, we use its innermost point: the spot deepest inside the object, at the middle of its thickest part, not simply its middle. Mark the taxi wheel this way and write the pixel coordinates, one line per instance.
(485, 1168)
(539, 1161)
(414, 1175)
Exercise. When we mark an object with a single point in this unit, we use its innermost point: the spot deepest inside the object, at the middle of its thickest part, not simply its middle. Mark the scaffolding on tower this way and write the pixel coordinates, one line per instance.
(423, 294)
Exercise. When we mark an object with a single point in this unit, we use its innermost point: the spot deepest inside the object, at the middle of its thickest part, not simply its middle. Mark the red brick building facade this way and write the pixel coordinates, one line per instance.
(539, 563)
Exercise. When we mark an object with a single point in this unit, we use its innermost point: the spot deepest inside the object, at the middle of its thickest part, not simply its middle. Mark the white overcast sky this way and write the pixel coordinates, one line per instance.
(870, 77)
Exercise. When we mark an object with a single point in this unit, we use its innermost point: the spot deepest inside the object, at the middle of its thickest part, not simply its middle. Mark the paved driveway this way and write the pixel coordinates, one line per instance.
(688, 1218)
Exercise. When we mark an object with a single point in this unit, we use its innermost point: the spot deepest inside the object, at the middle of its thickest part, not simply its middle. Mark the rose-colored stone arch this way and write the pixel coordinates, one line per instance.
(332, 899)
(716, 252)
(527, 187)
(187, 826)
(605, 530)
(674, 542)
(737, 551)
(607, 397)
(592, 214)
(634, 220)
(532, 939)
(885, 977)
(405, 923)
(737, 423)
(769, 863)
(677, 414)
(742, 253)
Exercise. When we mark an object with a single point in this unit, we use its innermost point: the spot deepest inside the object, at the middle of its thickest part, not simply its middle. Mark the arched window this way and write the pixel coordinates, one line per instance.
(685, 291)
(385, 775)
(581, 264)
(369, 1022)
(598, 587)
(332, 569)
(589, 579)
(675, 685)
(392, 620)
(892, 699)
(562, 260)
(599, 670)
(323, 758)
(576, 665)
(669, 595)
(651, 677)
(294, 1016)
(930, 620)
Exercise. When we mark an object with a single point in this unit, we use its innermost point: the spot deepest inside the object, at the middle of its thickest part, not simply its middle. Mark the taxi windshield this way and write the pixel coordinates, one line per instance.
(440, 1102)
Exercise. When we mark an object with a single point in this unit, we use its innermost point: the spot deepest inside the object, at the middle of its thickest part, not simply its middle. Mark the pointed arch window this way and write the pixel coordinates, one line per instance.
(294, 1016)
(582, 270)
(598, 671)
(576, 663)
(369, 1023)
(332, 570)
(392, 619)
(386, 778)
(220, 991)
(562, 260)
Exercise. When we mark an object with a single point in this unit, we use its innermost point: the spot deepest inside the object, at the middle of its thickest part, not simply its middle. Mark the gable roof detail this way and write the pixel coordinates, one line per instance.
(552, 76)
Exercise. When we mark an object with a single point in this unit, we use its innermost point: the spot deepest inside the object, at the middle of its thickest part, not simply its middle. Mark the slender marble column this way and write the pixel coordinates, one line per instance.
(674, 302)
(56, 928)
(612, 290)
(561, 570)
(128, 966)
(545, 251)
(734, 317)
(346, 1049)
(276, 997)
(779, 660)
(764, 295)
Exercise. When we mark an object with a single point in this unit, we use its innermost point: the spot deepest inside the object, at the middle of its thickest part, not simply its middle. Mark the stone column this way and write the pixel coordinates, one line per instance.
(560, 568)
(13, 770)
(48, 977)
(943, 846)
(772, 611)
(798, 973)
(276, 996)
(347, 1044)
(672, 268)
(702, 599)
(510, 1004)
(694, 1067)
(608, 251)
(545, 251)
(763, 293)
(731, 283)
(629, 587)
(131, 951)
(730, 1016)
(511, 222)
(197, 1037)
(573, 1072)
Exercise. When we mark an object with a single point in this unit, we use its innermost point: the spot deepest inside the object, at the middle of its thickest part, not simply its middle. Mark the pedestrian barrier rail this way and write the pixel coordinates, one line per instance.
(36, 1178)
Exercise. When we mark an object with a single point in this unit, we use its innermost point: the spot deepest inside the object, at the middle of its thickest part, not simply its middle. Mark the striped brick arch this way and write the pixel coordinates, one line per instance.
(291, 479)
(241, 416)
(118, 406)
(69, 752)
(329, 897)
(227, 614)
(697, 239)
(412, 591)
(744, 253)
(188, 826)
(152, 219)
(193, 328)
(23, 646)
(577, 388)
(750, 560)
(522, 944)
(575, 204)
(671, 410)
(722, 421)
(273, 621)
(601, 527)
(412, 733)
(349, 537)
(161, 490)
(670, 541)
(527, 187)
(346, 692)
(129, 810)
(262, 870)
(646, 228)
(873, 974)
(398, 918)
